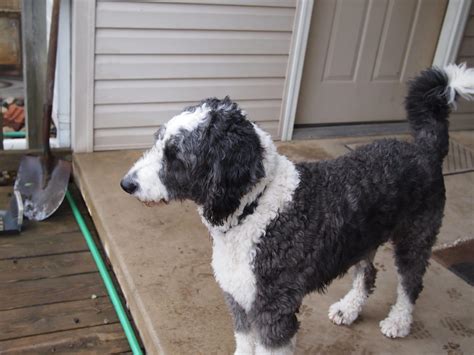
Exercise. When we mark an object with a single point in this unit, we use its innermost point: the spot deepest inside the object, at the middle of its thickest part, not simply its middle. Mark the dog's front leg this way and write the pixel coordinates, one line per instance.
(287, 349)
(244, 337)
(275, 333)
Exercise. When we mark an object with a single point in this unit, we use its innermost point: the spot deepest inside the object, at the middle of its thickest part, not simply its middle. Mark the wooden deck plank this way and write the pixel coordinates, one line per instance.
(50, 266)
(47, 291)
(47, 279)
(55, 317)
(31, 244)
(105, 339)
(51, 226)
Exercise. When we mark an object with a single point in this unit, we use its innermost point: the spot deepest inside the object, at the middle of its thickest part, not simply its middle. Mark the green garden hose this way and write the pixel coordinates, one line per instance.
(114, 297)
(14, 134)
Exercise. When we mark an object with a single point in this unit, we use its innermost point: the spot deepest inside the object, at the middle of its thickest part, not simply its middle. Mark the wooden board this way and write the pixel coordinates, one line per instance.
(18, 323)
(10, 45)
(52, 298)
(24, 245)
(48, 291)
(105, 339)
(51, 266)
(10, 5)
(34, 67)
(58, 234)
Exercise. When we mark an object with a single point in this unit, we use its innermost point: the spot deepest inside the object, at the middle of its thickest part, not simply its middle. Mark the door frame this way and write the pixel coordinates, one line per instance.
(452, 30)
(82, 75)
(303, 13)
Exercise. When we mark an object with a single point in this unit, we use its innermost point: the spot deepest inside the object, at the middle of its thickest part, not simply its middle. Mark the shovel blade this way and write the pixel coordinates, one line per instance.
(42, 185)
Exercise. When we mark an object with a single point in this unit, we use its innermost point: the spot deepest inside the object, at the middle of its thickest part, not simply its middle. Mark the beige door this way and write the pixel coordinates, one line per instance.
(360, 54)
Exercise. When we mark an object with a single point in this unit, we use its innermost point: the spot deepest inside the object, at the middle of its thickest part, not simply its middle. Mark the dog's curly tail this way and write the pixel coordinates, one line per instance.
(429, 100)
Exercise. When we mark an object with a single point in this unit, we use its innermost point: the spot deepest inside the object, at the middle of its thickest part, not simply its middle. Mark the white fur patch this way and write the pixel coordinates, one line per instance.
(461, 81)
(234, 245)
(348, 308)
(186, 120)
(284, 350)
(398, 322)
(146, 169)
(244, 343)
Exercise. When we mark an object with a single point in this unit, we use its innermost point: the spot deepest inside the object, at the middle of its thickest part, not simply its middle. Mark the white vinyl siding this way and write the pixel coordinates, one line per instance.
(193, 17)
(153, 58)
(188, 66)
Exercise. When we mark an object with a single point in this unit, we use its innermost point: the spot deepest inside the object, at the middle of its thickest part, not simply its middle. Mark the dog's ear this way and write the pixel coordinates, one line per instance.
(234, 155)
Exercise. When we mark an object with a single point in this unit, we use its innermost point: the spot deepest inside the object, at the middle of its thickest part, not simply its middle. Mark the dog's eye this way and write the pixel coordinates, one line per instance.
(172, 157)
(170, 152)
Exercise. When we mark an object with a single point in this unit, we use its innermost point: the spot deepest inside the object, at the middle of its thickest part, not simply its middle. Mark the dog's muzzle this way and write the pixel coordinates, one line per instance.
(129, 185)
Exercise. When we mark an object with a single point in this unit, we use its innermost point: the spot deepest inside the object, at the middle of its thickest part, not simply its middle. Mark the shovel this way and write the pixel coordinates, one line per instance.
(12, 219)
(42, 180)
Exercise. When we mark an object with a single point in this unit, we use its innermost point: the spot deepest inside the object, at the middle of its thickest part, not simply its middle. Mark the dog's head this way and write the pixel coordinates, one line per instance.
(210, 154)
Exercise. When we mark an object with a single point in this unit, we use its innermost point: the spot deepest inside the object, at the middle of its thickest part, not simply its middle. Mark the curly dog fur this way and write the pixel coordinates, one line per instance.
(282, 230)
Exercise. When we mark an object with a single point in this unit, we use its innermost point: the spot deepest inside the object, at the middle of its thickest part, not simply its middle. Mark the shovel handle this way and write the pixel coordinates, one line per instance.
(50, 76)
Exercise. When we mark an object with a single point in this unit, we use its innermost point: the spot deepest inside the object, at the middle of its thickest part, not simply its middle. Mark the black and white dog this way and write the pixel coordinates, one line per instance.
(281, 230)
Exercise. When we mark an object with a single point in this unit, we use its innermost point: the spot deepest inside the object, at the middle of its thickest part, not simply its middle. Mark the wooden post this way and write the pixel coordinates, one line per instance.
(34, 67)
(1, 131)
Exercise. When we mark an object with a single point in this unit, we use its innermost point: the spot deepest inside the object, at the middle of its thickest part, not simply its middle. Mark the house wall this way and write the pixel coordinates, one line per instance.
(464, 115)
(152, 58)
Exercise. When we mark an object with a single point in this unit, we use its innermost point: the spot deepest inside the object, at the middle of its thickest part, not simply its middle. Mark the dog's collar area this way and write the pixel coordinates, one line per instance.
(249, 208)
(263, 202)
(238, 216)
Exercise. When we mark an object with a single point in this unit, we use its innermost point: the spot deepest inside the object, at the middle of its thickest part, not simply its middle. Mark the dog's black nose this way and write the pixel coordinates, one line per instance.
(128, 185)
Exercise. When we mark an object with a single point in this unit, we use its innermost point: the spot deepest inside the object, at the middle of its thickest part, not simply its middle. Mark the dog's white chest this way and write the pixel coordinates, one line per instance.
(232, 259)
(235, 248)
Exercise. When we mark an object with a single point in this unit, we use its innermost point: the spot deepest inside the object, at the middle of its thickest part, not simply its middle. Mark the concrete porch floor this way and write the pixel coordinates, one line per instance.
(161, 257)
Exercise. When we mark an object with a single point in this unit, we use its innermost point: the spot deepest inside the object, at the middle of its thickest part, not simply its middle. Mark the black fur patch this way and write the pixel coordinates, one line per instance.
(342, 209)
(370, 274)
(346, 207)
(250, 208)
(215, 164)
(241, 322)
(427, 110)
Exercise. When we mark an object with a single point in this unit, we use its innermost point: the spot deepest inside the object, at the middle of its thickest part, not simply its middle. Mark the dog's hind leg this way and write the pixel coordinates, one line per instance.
(398, 322)
(348, 308)
(412, 255)
(244, 337)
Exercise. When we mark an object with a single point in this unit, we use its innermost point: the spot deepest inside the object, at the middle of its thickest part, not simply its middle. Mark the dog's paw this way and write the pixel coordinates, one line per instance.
(395, 327)
(343, 313)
